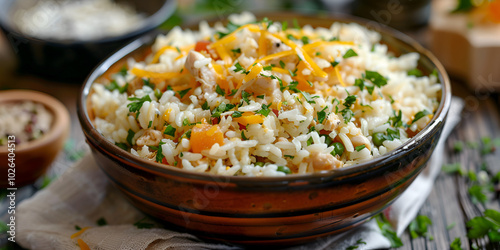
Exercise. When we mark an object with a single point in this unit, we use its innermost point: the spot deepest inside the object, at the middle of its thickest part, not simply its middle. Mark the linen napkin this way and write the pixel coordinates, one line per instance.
(83, 195)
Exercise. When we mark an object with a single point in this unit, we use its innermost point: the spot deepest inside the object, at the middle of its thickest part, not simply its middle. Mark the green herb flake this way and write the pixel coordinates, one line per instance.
(284, 25)
(317, 53)
(265, 110)
(321, 115)
(282, 64)
(289, 156)
(415, 72)
(304, 39)
(130, 137)
(296, 24)
(182, 93)
(360, 147)
(376, 78)
(239, 68)
(101, 222)
(477, 195)
(456, 244)
(388, 232)
(418, 227)
(349, 53)
(237, 114)
(169, 130)
(236, 51)
(420, 115)
(244, 96)
(261, 96)
(113, 85)
(137, 103)
(291, 37)
(122, 145)
(219, 91)
(78, 228)
(243, 137)
(205, 106)
(308, 97)
(147, 82)
(123, 71)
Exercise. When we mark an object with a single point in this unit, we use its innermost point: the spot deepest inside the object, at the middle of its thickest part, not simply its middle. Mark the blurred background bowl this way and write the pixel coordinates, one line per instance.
(32, 158)
(73, 60)
(268, 210)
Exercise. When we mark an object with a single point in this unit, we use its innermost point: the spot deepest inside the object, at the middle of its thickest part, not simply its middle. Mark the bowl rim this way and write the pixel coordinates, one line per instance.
(150, 23)
(60, 124)
(159, 169)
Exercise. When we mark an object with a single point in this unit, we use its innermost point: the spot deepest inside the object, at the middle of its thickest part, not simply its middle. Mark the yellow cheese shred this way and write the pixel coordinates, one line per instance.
(317, 71)
(221, 50)
(337, 72)
(262, 43)
(79, 232)
(254, 72)
(310, 46)
(150, 74)
(273, 56)
(230, 37)
(82, 244)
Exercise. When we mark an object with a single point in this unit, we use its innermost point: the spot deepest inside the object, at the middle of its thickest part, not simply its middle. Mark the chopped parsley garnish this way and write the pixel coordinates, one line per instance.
(361, 84)
(477, 195)
(267, 68)
(418, 227)
(113, 85)
(347, 114)
(233, 92)
(150, 124)
(240, 68)
(487, 225)
(245, 95)
(349, 53)
(260, 164)
(317, 53)
(415, 72)
(396, 120)
(205, 106)
(289, 156)
(265, 110)
(219, 91)
(387, 231)
(236, 51)
(158, 94)
(360, 147)
(159, 153)
(296, 24)
(334, 63)
(243, 137)
(261, 96)
(376, 78)
(178, 50)
(187, 123)
(140, 224)
(291, 37)
(237, 114)
(349, 100)
(392, 134)
(78, 228)
(304, 39)
(221, 109)
(284, 169)
(420, 115)
(293, 73)
(182, 93)
(282, 64)
(121, 145)
(356, 245)
(148, 83)
(169, 88)
(137, 103)
(321, 115)
(101, 222)
(169, 130)
(123, 71)
(130, 137)
(231, 27)
(310, 141)
(338, 149)
(309, 98)
(284, 25)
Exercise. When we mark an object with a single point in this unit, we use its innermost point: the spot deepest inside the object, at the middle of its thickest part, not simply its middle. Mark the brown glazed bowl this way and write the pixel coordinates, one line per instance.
(32, 158)
(268, 210)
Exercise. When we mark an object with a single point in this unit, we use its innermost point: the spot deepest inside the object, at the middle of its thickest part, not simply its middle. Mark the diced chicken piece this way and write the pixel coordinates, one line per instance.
(150, 138)
(332, 122)
(322, 161)
(199, 66)
(359, 140)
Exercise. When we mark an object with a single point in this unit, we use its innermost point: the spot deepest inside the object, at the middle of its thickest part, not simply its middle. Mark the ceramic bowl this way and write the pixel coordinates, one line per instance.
(32, 158)
(269, 210)
(73, 60)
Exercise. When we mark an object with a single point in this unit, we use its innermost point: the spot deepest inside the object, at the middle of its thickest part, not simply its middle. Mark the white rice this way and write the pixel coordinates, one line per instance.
(300, 132)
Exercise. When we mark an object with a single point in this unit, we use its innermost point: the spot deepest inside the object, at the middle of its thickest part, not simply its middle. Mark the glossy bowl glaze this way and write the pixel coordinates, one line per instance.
(268, 210)
(31, 159)
(73, 60)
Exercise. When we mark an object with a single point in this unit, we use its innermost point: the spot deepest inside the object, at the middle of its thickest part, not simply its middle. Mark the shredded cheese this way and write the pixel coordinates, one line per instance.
(262, 43)
(230, 37)
(82, 244)
(79, 232)
(317, 71)
(280, 70)
(254, 72)
(150, 74)
(337, 72)
(309, 47)
(221, 50)
(273, 56)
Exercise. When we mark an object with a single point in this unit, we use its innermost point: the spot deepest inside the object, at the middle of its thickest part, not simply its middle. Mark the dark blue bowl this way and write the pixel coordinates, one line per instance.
(73, 60)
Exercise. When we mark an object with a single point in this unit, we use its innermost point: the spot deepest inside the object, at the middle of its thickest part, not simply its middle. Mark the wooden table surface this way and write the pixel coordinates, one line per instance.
(448, 206)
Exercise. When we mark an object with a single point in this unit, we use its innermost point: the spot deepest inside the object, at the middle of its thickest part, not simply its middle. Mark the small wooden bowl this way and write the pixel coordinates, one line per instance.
(34, 157)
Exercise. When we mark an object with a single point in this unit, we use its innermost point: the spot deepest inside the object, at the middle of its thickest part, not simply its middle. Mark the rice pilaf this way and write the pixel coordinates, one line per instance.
(262, 98)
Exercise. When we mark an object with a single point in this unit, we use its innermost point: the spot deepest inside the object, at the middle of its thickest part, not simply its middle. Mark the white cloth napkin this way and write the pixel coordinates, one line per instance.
(83, 195)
